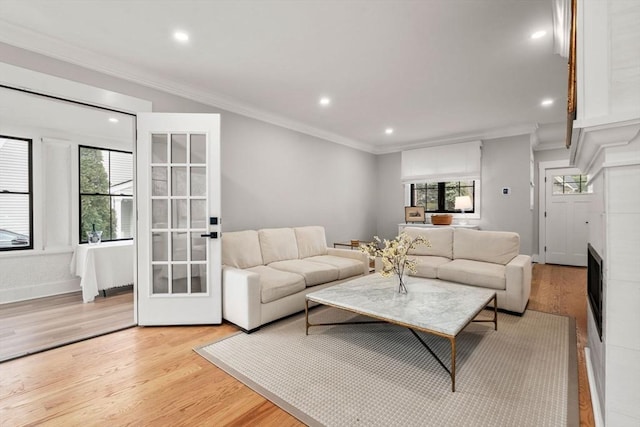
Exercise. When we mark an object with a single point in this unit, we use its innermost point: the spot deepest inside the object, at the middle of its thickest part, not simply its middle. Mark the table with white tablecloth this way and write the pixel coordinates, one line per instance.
(103, 266)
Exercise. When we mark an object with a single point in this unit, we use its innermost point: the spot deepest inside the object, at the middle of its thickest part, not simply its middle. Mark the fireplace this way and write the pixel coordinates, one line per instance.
(594, 286)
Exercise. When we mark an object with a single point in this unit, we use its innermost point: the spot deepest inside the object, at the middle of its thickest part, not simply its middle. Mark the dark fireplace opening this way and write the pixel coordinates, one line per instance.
(594, 286)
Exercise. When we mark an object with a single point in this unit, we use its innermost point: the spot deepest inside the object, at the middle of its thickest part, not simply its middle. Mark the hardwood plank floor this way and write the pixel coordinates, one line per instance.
(563, 290)
(31, 326)
(151, 375)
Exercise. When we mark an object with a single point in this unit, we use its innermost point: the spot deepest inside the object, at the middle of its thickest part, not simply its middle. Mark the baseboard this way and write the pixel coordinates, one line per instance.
(38, 291)
(535, 258)
(595, 400)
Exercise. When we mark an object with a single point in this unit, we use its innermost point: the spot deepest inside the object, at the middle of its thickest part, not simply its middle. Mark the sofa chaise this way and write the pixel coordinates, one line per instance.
(267, 273)
(489, 259)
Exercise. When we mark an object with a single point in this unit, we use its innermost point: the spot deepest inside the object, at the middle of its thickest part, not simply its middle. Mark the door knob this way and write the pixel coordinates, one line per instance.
(212, 235)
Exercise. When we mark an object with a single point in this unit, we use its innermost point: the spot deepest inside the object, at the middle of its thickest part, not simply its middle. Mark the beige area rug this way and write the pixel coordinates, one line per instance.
(524, 374)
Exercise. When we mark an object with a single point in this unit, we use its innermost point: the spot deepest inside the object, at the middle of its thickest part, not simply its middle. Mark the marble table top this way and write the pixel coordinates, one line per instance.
(432, 305)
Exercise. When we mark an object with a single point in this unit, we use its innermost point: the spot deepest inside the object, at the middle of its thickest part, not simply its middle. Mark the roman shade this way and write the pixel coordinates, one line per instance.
(452, 162)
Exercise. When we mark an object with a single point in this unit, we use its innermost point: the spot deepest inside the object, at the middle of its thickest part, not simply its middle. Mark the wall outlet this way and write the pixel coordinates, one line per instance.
(506, 191)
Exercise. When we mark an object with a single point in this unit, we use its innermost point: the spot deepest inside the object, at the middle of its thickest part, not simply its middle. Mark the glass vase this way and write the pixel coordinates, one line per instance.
(401, 280)
(94, 237)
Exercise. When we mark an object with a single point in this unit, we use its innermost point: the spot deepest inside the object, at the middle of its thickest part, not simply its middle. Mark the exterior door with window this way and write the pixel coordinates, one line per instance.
(567, 200)
(178, 187)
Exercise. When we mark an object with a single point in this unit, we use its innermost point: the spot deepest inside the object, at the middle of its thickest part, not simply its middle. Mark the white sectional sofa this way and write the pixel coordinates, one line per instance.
(489, 259)
(267, 273)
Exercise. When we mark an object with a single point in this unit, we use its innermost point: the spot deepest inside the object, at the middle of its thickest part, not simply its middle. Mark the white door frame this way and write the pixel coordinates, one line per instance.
(46, 84)
(542, 203)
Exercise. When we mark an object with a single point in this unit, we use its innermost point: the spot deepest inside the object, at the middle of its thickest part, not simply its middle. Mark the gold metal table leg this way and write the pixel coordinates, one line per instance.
(453, 363)
(306, 316)
(495, 311)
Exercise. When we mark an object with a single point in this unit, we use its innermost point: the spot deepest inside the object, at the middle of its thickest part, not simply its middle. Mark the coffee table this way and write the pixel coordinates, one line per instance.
(432, 306)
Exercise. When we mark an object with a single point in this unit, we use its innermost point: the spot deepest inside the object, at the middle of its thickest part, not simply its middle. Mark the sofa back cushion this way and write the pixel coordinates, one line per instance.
(241, 249)
(278, 244)
(498, 247)
(311, 241)
(441, 240)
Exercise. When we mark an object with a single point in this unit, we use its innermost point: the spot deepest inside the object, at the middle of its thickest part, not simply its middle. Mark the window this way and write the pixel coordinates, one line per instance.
(16, 194)
(106, 193)
(571, 184)
(441, 196)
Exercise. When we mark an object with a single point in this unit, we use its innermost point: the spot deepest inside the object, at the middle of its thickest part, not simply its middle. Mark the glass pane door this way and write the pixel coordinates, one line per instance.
(178, 213)
(178, 189)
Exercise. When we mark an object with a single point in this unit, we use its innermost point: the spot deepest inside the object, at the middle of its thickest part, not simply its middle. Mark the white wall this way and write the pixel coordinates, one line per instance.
(271, 176)
(274, 177)
(506, 163)
(390, 196)
(542, 156)
(608, 69)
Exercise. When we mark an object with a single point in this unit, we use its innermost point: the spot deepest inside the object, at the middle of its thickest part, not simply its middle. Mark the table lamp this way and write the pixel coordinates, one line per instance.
(463, 203)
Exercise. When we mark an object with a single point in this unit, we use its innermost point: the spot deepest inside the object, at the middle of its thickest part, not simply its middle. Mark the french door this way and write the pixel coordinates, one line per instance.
(178, 188)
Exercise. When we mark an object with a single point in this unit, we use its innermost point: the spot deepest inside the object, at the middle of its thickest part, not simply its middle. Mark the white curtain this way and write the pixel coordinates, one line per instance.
(561, 12)
(452, 162)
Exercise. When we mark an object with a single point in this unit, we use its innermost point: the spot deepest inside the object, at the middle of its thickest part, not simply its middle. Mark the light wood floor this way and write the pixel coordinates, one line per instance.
(563, 290)
(28, 327)
(151, 376)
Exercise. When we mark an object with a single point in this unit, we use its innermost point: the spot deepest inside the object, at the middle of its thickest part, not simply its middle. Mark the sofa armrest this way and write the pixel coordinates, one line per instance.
(518, 282)
(241, 297)
(349, 253)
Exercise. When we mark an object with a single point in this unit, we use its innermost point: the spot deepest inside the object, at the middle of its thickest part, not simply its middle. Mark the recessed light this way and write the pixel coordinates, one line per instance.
(324, 101)
(113, 120)
(388, 131)
(546, 102)
(181, 36)
(538, 34)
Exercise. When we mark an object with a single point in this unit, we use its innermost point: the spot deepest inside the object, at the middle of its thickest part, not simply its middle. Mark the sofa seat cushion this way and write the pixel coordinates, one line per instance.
(475, 273)
(314, 273)
(276, 284)
(427, 266)
(347, 267)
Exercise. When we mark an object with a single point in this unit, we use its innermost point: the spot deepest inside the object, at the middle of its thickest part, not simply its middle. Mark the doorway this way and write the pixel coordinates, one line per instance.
(563, 216)
(59, 116)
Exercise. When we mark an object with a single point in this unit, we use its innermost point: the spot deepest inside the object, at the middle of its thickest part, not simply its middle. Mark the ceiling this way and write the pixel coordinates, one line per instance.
(434, 70)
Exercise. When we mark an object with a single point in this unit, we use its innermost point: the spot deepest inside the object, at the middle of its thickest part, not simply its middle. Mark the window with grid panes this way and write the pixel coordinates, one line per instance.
(440, 196)
(571, 184)
(106, 193)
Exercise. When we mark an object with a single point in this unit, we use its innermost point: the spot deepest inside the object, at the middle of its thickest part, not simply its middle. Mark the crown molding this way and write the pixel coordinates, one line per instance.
(590, 152)
(494, 133)
(548, 137)
(545, 146)
(27, 39)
